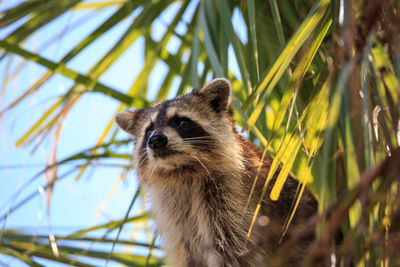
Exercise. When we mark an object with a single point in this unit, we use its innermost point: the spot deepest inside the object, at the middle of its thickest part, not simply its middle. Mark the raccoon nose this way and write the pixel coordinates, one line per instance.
(157, 141)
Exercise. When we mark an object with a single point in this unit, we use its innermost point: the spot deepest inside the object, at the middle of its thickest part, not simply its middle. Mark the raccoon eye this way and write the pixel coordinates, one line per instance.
(183, 122)
(149, 130)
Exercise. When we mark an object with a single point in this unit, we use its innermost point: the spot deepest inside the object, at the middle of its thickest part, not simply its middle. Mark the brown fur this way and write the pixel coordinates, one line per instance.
(198, 193)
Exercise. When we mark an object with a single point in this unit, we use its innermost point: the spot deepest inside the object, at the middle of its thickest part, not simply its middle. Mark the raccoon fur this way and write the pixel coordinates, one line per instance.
(198, 172)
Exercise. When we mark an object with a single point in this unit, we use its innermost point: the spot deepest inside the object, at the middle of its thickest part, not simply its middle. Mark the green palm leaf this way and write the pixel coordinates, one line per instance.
(315, 84)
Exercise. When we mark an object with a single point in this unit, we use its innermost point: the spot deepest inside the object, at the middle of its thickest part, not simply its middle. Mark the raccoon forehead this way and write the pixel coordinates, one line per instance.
(171, 108)
(181, 112)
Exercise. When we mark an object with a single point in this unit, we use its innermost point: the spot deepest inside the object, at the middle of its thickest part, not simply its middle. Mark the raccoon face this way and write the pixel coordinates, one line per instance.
(188, 132)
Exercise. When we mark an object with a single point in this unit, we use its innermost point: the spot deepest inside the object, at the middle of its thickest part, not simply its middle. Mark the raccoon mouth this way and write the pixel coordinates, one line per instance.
(164, 153)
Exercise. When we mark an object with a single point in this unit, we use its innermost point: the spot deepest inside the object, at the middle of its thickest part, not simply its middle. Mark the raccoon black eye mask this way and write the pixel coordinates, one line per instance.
(198, 172)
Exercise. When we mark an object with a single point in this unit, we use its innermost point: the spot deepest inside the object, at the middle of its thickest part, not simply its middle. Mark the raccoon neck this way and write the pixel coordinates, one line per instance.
(202, 215)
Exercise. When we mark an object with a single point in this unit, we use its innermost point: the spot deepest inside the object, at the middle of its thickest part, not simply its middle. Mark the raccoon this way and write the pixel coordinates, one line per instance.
(198, 171)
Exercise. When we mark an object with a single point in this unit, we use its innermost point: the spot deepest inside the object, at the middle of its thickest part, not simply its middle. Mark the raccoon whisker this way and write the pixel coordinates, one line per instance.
(202, 140)
(197, 143)
(142, 153)
(142, 156)
(201, 163)
(191, 140)
(197, 138)
(215, 155)
(205, 141)
(214, 151)
(173, 139)
(141, 161)
(152, 170)
(207, 149)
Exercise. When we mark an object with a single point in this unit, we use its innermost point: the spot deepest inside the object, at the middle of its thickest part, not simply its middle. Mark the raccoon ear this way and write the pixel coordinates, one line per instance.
(218, 94)
(126, 120)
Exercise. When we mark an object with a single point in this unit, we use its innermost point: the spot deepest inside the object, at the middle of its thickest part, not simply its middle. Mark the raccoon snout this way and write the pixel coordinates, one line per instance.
(157, 141)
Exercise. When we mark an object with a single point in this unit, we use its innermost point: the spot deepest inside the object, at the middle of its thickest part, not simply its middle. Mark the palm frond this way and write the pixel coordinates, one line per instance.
(315, 83)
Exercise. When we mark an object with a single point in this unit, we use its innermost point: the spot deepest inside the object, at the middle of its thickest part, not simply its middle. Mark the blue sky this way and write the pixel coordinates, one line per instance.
(81, 127)
(74, 204)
